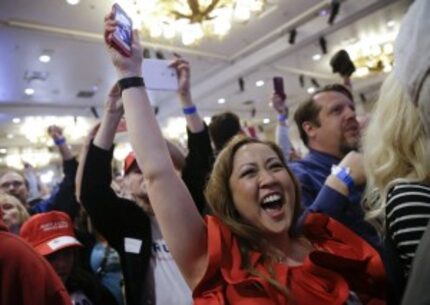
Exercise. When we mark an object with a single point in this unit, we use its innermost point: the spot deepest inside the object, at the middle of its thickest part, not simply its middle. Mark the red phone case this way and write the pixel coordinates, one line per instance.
(122, 38)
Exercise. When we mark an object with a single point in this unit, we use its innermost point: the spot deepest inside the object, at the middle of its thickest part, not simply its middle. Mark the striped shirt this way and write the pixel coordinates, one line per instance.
(407, 215)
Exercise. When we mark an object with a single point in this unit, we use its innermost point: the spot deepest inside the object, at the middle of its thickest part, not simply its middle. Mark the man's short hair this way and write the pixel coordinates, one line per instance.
(223, 127)
(308, 111)
(26, 182)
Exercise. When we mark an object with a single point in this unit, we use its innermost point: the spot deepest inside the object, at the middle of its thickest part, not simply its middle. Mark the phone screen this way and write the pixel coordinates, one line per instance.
(123, 35)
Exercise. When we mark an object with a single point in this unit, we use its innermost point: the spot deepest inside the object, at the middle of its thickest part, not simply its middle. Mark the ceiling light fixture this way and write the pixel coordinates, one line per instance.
(72, 2)
(323, 45)
(302, 80)
(259, 83)
(266, 121)
(190, 20)
(16, 120)
(311, 90)
(391, 23)
(29, 91)
(315, 83)
(292, 37)
(334, 10)
(316, 57)
(373, 53)
(221, 101)
(45, 58)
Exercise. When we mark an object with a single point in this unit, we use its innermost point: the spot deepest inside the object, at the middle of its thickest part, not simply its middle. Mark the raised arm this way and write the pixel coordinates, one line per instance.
(194, 121)
(200, 158)
(56, 134)
(282, 130)
(111, 117)
(180, 223)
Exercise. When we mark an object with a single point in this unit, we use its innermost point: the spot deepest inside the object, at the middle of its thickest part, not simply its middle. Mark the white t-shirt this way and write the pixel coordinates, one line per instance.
(79, 298)
(170, 286)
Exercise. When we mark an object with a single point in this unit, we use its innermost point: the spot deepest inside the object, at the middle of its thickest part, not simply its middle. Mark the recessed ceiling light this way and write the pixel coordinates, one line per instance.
(324, 12)
(29, 91)
(72, 2)
(10, 136)
(266, 121)
(44, 58)
(259, 83)
(16, 120)
(3, 150)
(316, 57)
(391, 23)
(221, 101)
(311, 90)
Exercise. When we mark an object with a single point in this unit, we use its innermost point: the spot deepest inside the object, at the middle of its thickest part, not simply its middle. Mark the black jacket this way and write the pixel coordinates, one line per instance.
(120, 220)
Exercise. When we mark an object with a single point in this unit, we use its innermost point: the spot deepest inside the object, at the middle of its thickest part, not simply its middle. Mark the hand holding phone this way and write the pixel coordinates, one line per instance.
(278, 85)
(122, 38)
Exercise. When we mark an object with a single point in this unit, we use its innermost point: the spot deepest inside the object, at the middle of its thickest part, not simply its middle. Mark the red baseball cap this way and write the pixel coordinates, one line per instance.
(49, 232)
(178, 158)
(129, 162)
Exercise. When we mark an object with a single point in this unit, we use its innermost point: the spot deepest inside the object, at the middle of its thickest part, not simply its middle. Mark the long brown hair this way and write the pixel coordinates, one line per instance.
(219, 197)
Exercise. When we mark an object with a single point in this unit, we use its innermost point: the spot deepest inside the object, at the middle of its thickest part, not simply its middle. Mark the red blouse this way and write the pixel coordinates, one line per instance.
(341, 261)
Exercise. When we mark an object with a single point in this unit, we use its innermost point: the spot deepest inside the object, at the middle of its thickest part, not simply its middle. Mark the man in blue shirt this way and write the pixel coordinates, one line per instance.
(328, 127)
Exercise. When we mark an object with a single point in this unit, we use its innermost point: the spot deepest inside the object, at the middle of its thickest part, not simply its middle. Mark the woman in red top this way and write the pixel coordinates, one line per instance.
(247, 253)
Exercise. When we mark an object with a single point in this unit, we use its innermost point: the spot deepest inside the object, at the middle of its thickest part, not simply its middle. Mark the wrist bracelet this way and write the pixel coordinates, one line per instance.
(130, 82)
(282, 117)
(60, 141)
(342, 173)
(189, 110)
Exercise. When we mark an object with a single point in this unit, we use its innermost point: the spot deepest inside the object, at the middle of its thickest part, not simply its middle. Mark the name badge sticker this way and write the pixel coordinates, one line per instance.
(132, 245)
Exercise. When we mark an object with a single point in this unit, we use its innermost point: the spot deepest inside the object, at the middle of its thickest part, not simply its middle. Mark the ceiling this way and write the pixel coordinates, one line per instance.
(257, 50)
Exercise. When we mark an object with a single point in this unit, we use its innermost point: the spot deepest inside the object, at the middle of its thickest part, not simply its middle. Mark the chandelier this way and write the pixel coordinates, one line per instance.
(189, 20)
(373, 53)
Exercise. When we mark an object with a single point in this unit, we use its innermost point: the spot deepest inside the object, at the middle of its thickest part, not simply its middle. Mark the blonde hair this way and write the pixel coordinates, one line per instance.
(219, 197)
(23, 214)
(395, 149)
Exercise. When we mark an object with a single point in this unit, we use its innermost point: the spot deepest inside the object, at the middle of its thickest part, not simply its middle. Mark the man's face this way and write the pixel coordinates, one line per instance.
(339, 130)
(62, 262)
(14, 184)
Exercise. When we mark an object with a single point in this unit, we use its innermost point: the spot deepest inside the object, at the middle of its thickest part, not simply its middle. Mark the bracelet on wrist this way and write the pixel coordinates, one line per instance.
(189, 110)
(60, 141)
(282, 117)
(342, 173)
(130, 82)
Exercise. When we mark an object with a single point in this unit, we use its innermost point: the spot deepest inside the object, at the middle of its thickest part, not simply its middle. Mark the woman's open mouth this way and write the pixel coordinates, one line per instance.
(272, 204)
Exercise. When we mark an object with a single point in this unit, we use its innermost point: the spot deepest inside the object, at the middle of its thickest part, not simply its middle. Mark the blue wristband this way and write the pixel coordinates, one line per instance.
(189, 110)
(342, 173)
(282, 117)
(60, 141)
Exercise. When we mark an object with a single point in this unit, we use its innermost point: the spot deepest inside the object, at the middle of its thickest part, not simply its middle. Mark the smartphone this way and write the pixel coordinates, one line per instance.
(123, 35)
(159, 76)
(278, 85)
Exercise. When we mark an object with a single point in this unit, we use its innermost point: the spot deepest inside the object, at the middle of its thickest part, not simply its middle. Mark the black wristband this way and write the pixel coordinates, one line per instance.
(130, 82)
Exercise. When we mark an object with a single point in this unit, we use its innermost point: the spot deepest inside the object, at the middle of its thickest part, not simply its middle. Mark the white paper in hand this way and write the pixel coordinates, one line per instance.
(159, 76)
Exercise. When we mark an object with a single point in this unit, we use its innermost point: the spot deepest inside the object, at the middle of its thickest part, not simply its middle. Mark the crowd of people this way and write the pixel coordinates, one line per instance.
(237, 220)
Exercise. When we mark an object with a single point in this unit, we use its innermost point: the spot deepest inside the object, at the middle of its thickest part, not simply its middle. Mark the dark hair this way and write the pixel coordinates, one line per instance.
(308, 111)
(220, 199)
(222, 128)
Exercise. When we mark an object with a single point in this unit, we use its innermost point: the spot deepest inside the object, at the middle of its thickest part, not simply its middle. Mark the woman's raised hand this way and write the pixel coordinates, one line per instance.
(125, 66)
